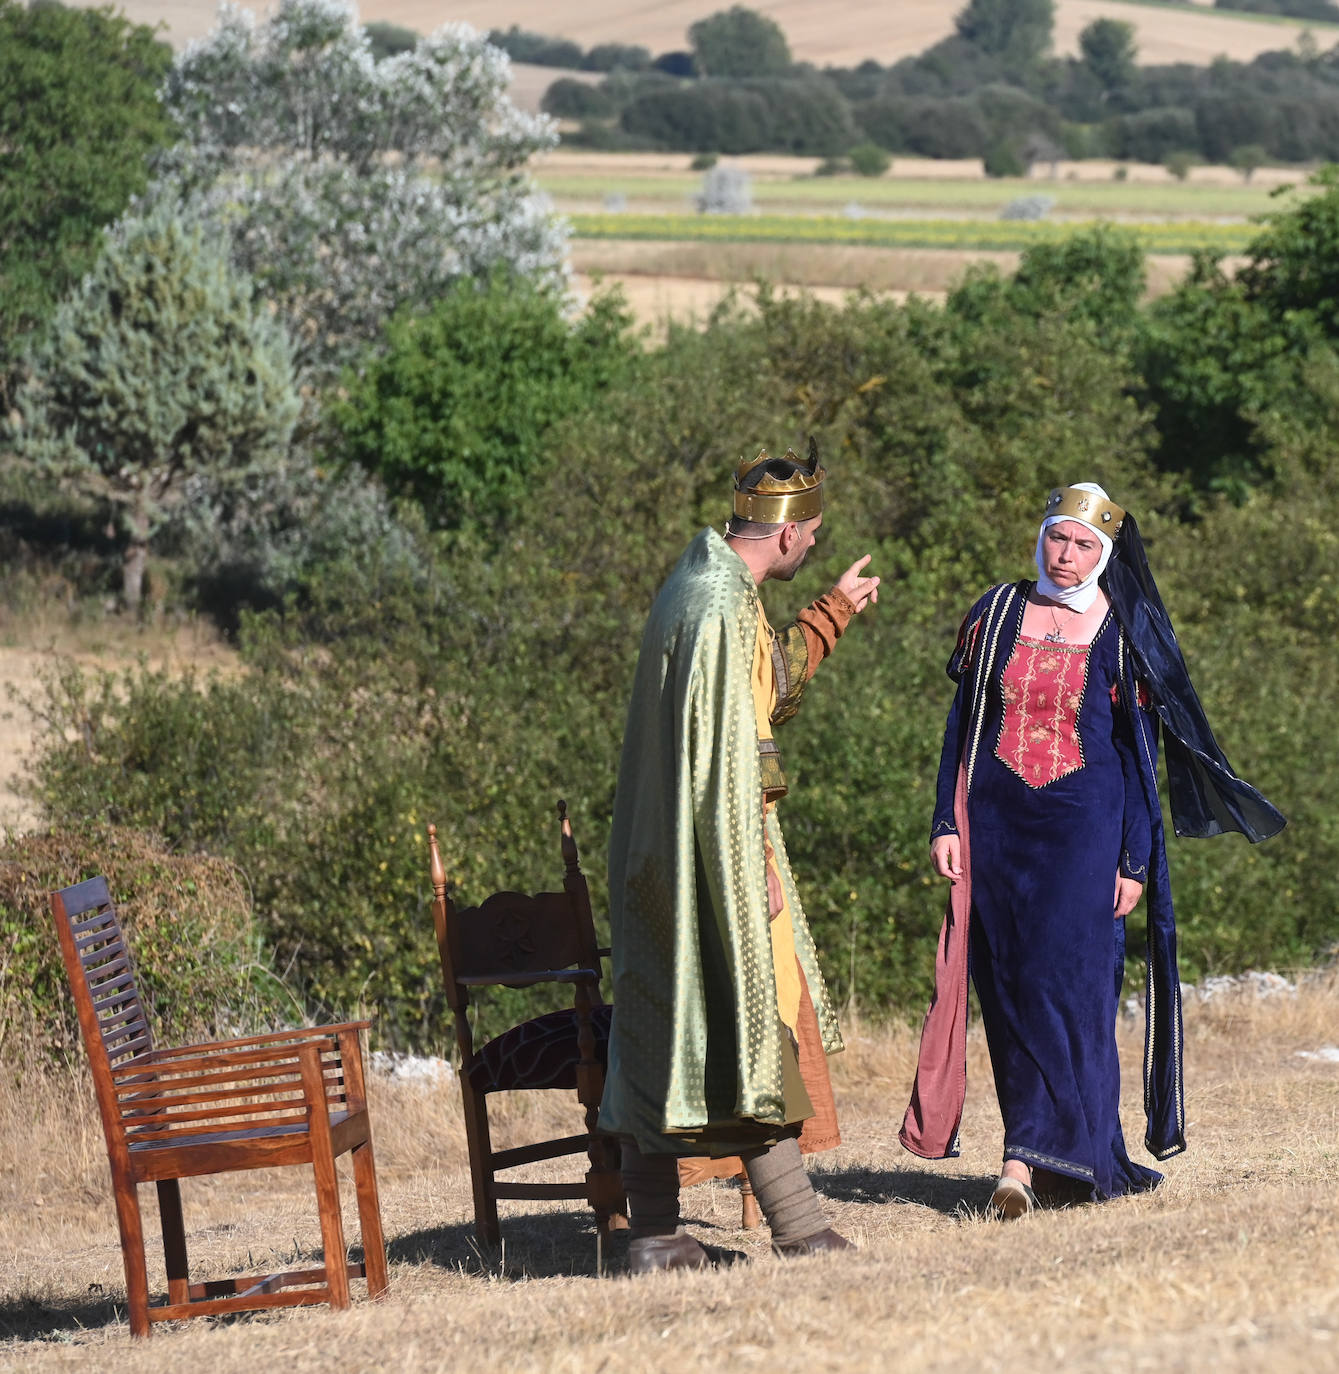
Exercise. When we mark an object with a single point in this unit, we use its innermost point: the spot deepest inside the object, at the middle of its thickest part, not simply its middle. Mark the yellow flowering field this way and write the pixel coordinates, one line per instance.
(973, 235)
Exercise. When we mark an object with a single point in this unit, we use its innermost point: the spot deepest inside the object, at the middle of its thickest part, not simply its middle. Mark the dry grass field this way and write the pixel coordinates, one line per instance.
(841, 33)
(1230, 1266)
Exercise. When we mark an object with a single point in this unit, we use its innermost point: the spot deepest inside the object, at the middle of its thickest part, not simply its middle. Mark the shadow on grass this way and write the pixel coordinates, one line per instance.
(55, 1318)
(535, 1245)
(951, 1194)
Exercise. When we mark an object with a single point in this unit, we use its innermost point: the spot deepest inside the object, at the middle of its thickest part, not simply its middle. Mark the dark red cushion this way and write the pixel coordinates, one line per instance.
(541, 1053)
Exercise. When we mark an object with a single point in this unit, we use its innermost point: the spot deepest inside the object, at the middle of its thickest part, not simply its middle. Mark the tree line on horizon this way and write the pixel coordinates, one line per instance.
(991, 90)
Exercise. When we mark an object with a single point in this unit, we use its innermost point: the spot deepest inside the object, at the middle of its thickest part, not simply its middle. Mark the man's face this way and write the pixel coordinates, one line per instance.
(806, 534)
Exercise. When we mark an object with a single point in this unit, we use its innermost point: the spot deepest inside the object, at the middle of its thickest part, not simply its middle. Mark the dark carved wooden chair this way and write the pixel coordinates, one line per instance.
(294, 1097)
(515, 940)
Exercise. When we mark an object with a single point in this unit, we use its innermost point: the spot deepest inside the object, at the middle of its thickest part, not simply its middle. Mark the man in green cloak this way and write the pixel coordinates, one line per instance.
(722, 1020)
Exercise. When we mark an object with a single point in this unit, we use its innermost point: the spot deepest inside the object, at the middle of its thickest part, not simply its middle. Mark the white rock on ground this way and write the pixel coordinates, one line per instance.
(411, 1068)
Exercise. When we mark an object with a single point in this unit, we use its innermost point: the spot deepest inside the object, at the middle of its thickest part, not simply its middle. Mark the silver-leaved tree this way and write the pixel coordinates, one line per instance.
(158, 370)
(348, 187)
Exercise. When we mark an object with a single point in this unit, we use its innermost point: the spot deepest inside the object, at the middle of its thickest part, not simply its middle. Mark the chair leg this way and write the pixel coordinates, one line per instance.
(486, 1226)
(750, 1213)
(369, 1218)
(132, 1253)
(174, 1240)
(332, 1228)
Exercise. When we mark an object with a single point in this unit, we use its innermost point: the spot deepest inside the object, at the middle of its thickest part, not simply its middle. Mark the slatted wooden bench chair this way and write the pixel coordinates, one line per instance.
(260, 1101)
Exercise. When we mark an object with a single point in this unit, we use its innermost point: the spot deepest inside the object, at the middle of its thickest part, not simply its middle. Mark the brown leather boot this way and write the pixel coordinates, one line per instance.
(817, 1244)
(646, 1254)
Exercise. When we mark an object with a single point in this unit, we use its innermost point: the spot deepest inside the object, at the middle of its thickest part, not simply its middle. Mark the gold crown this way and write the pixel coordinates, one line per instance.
(1073, 503)
(776, 500)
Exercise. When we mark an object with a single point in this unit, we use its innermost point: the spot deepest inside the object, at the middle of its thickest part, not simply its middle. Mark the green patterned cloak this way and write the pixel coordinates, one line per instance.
(699, 1061)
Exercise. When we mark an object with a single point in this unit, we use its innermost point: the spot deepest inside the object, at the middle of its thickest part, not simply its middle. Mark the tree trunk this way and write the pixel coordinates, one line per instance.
(132, 574)
(136, 560)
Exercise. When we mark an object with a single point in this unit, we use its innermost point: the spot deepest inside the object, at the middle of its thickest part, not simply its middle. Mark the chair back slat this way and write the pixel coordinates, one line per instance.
(111, 1015)
(516, 933)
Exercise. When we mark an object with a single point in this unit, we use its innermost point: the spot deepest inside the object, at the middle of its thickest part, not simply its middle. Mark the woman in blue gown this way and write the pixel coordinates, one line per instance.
(1048, 826)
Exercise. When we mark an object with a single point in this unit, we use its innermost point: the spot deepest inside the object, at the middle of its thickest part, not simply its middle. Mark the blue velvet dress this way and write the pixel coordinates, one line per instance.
(1055, 808)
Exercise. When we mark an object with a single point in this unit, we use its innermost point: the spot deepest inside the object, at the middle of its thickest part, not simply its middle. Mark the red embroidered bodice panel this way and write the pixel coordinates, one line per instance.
(1042, 686)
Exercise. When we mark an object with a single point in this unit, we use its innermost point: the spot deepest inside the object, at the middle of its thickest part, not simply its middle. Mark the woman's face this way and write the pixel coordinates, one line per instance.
(1069, 552)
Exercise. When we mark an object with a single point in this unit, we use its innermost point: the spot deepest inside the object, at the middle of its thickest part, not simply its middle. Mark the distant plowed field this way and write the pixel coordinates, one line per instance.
(827, 32)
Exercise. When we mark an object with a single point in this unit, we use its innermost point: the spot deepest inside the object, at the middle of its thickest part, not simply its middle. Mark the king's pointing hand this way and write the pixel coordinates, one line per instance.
(859, 590)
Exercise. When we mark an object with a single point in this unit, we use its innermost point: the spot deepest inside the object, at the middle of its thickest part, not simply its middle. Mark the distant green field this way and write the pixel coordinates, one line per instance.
(954, 234)
(1122, 199)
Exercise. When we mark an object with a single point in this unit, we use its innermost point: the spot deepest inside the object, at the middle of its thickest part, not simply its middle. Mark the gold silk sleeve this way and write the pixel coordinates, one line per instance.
(798, 649)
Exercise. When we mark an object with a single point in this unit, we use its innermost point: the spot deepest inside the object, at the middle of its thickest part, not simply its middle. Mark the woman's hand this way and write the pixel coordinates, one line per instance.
(946, 856)
(1128, 893)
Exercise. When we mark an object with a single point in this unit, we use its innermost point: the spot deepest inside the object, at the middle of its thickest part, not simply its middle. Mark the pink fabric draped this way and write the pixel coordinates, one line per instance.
(930, 1127)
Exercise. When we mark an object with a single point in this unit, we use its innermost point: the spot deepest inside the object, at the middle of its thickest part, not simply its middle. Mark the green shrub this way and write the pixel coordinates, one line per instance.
(703, 162)
(188, 923)
(568, 98)
(389, 39)
(1003, 159)
(456, 410)
(869, 160)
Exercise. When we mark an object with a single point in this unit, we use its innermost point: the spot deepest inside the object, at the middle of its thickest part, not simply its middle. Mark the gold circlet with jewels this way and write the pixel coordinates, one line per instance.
(1073, 503)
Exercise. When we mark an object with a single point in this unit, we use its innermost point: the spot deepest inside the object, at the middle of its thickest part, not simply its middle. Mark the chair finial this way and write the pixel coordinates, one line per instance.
(438, 868)
(571, 859)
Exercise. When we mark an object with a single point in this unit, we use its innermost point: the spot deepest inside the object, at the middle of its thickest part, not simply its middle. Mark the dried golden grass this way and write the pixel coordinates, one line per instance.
(1230, 1265)
(683, 282)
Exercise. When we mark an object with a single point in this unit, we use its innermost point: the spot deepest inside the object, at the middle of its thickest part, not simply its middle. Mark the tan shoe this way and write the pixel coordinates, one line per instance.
(1012, 1199)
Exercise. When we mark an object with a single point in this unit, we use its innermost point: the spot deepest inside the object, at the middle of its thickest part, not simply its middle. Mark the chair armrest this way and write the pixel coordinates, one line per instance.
(525, 980)
(273, 1037)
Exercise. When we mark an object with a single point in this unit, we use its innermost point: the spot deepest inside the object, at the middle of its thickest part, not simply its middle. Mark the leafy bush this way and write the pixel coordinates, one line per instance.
(188, 923)
(568, 98)
(457, 409)
(608, 57)
(802, 116)
(739, 42)
(1003, 159)
(521, 45)
(869, 160)
(389, 39)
